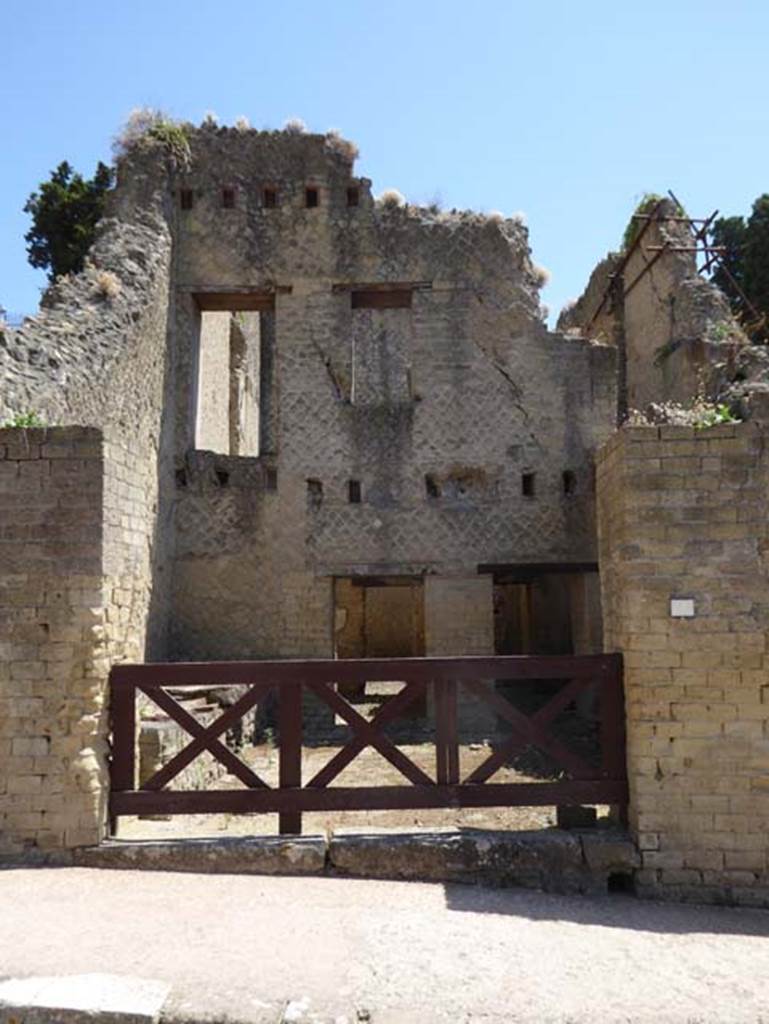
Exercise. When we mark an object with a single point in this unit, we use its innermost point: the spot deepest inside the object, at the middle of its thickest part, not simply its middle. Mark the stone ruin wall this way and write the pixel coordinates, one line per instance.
(682, 515)
(470, 353)
(84, 542)
(96, 356)
(474, 392)
(116, 521)
(677, 330)
(227, 547)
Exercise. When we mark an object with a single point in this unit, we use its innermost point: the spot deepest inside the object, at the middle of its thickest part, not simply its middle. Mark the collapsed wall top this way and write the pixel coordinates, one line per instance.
(257, 208)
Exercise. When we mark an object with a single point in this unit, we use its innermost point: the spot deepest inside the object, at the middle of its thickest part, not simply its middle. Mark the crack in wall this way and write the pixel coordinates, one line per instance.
(515, 388)
(341, 392)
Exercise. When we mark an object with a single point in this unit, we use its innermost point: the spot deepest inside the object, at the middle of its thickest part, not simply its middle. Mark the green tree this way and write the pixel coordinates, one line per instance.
(743, 275)
(65, 211)
(729, 234)
(756, 255)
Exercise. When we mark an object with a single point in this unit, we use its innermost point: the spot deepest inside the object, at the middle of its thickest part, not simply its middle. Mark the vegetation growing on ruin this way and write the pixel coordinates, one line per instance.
(702, 413)
(715, 413)
(24, 419)
(540, 274)
(343, 147)
(65, 211)
(295, 126)
(174, 137)
(392, 198)
(145, 124)
(107, 284)
(647, 205)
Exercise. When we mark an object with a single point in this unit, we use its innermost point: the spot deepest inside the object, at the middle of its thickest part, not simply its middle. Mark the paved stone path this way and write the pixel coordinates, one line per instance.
(259, 949)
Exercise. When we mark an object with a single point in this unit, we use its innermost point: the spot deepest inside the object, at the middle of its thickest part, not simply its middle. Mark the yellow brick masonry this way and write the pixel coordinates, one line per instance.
(683, 513)
(70, 604)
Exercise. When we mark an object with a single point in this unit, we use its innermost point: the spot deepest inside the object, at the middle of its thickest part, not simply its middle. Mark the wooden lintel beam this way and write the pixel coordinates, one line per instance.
(381, 286)
(235, 302)
(525, 571)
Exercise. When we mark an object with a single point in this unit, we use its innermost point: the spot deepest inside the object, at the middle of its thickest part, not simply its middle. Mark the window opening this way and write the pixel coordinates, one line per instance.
(353, 196)
(229, 379)
(269, 198)
(311, 197)
(271, 479)
(569, 482)
(432, 486)
(353, 492)
(228, 198)
(527, 484)
(314, 493)
(186, 198)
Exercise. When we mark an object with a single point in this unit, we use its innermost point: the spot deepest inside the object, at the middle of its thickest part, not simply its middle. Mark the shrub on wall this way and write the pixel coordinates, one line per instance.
(65, 211)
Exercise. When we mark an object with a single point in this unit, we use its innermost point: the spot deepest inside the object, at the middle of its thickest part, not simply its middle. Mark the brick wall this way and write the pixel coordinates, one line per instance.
(682, 514)
(74, 589)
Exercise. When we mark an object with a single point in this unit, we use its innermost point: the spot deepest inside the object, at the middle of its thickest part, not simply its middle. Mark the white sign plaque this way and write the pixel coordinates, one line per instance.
(682, 607)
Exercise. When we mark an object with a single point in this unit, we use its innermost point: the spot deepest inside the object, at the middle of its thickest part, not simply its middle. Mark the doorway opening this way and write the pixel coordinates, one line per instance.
(549, 610)
(379, 617)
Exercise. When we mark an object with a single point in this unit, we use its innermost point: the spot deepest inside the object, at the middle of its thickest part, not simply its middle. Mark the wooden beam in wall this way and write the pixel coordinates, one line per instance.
(235, 302)
(381, 286)
(398, 298)
(524, 572)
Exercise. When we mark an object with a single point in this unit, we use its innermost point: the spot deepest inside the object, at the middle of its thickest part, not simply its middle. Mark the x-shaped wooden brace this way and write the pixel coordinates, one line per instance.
(205, 737)
(530, 731)
(367, 735)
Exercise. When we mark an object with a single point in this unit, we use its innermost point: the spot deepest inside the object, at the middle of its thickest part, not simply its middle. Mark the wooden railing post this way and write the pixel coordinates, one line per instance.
(290, 765)
(446, 738)
(123, 724)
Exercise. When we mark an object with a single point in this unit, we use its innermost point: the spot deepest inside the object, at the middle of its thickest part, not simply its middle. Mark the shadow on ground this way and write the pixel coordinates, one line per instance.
(614, 911)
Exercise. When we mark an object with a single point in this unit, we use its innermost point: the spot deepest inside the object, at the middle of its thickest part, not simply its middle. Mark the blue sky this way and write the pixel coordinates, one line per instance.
(567, 111)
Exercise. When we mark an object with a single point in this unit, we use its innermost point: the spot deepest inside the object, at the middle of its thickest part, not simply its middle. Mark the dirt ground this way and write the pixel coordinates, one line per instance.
(368, 769)
(260, 950)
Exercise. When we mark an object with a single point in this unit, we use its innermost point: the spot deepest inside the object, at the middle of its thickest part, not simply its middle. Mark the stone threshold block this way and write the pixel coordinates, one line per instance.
(248, 855)
(553, 861)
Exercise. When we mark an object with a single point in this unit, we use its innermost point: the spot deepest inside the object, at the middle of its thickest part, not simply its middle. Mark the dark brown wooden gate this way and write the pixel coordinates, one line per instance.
(582, 782)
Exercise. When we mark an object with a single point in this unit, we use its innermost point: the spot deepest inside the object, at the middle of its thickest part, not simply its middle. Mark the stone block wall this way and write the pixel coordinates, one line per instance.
(673, 328)
(74, 594)
(459, 615)
(96, 355)
(459, 620)
(682, 515)
(435, 409)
